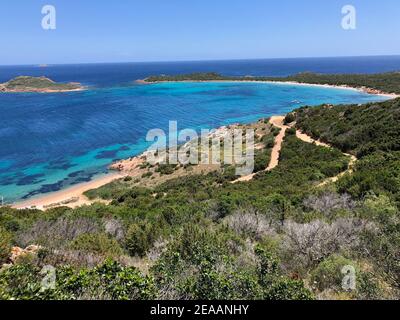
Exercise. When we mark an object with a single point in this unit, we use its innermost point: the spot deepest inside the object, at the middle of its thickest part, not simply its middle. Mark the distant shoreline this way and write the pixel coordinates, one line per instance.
(346, 87)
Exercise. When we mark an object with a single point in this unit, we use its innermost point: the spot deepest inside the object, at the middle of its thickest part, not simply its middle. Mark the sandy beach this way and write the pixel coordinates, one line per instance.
(73, 196)
(359, 89)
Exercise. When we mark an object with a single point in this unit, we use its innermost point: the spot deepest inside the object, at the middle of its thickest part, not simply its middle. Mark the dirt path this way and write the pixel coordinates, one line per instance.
(278, 121)
(306, 138)
(353, 160)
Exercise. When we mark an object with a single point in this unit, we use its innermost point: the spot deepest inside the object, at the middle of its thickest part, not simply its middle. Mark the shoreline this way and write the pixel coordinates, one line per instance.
(346, 87)
(71, 197)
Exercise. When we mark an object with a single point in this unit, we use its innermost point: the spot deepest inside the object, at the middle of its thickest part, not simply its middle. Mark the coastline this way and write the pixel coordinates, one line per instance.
(73, 196)
(346, 87)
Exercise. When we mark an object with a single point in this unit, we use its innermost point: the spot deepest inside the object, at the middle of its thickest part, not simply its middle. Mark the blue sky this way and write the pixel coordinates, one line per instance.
(173, 30)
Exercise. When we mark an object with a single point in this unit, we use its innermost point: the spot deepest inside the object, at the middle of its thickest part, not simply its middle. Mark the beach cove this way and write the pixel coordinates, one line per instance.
(222, 102)
(57, 141)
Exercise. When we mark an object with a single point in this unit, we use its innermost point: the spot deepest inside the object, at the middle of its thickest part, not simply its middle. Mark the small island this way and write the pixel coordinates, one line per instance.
(38, 84)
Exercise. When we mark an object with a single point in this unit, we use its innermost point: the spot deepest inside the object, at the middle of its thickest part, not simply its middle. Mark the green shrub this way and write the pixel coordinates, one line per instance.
(290, 117)
(109, 281)
(98, 243)
(268, 141)
(379, 207)
(166, 169)
(147, 174)
(5, 245)
(275, 131)
(140, 238)
(261, 160)
(288, 289)
(328, 274)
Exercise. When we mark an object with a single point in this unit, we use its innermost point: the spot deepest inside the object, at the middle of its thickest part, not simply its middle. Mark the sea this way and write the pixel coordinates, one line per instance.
(52, 141)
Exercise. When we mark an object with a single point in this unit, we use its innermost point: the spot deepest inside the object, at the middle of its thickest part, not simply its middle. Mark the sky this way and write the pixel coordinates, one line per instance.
(92, 31)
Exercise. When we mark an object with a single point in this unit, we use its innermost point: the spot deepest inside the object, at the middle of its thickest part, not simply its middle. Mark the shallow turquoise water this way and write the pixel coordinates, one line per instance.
(51, 141)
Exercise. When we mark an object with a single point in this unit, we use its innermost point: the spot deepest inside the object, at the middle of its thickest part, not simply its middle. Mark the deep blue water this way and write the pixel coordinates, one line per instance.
(51, 141)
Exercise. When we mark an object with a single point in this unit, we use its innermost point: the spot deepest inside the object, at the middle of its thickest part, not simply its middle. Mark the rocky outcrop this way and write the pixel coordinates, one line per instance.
(17, 252)
(128, 165)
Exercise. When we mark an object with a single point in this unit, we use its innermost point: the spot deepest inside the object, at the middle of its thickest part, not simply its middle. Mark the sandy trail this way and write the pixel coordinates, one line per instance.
(353, 160)
(278, 121)
(306, 138)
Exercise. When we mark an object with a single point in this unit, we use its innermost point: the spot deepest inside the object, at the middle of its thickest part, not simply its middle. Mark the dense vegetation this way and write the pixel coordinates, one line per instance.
(198, 76)
(282, 235)
(386, 82)
(357, 129)
(370, 132)
(25, 84)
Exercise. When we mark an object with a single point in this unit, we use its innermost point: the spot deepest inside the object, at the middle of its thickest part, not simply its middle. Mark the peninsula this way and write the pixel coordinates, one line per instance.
(378, 83)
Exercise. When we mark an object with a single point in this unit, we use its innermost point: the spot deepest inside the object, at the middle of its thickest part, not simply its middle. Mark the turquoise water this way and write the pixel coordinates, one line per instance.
(52, 141)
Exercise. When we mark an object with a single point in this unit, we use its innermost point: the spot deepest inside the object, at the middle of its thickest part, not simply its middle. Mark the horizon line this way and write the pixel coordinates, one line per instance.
(199, 60)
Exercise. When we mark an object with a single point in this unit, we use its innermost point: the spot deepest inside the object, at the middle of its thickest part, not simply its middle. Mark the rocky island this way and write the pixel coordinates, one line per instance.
(38, 84)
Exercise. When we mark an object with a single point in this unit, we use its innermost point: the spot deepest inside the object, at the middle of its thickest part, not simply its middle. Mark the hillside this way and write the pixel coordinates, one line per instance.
(37, 84)
(281, 235)
(371, 132)
(358, 129)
